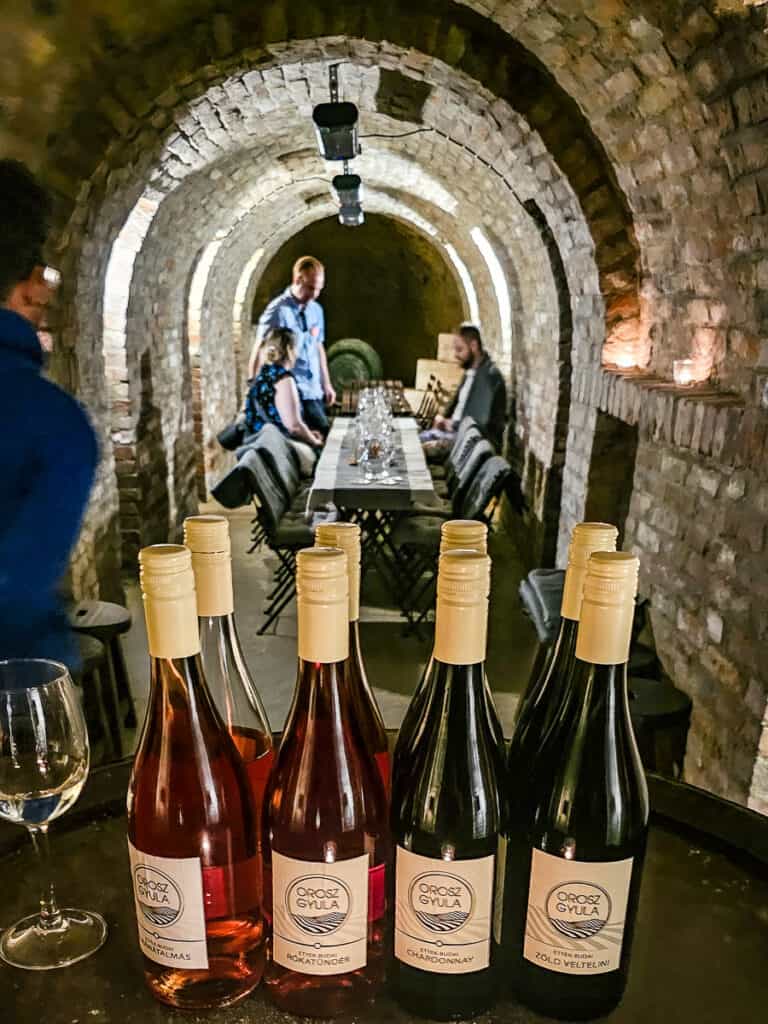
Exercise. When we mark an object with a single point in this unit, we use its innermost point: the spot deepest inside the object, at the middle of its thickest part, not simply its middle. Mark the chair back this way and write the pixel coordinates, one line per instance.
(279, 457)
(460, 452)
(479, 454)
(485, 487)
(234, 489)
(466, 423)
(272, 501)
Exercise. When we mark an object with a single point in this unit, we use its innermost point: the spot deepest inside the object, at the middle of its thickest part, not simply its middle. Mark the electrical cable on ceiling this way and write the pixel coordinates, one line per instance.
(402, 135)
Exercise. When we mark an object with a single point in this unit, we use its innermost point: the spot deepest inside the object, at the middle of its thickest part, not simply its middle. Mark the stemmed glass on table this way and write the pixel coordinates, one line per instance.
(375, 437)
(44, 759)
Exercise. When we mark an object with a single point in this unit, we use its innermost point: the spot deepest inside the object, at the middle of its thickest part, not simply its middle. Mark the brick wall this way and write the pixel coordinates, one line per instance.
(699, 529)
(636, 128)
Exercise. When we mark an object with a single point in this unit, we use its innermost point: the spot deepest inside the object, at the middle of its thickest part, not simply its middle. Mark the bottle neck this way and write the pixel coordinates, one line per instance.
(178, 688)
(322, 691)
(564, 647)
(551, 690)
(220, 647)
(458, 688)
(213, 585)
(460, 632)
(593, 750)
(354, 639)
(595, 695)
(323, 634)
(172, 630)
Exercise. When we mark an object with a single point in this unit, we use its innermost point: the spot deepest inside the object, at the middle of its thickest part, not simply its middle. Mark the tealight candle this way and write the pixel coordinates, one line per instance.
(683, 371)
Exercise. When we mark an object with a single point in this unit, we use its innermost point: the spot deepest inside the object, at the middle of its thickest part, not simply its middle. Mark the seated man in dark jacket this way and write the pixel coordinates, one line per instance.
(47, 446)
(482, 393)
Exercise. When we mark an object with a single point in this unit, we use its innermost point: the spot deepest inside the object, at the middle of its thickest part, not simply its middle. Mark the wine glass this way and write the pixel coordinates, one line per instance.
(43, 766)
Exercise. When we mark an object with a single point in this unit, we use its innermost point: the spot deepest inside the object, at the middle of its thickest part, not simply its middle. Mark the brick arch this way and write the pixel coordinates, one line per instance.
(226, 320)
(674, 66)
(158, 286)
(157, 71)
(184, 171)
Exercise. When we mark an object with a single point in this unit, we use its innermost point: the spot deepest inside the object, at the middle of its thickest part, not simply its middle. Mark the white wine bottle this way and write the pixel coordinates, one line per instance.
(226, 670)
(576, 840)
(449, 815)
(455, 535)
(540, 703)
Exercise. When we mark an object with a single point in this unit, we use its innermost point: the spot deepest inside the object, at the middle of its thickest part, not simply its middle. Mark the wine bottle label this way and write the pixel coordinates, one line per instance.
(576, 912)
(168, 892)
(320, 914)
(443, 912)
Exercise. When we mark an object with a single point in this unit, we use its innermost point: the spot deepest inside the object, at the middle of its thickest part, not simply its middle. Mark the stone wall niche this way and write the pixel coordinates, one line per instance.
(611, 470)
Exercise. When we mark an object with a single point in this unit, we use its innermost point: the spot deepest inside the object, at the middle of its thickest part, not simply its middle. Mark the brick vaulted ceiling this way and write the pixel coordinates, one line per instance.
(627, 97)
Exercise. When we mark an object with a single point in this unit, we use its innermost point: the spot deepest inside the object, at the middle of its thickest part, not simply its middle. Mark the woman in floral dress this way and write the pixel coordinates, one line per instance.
(273, 396)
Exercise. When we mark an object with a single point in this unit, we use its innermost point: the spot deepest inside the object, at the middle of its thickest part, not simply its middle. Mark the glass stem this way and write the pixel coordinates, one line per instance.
(50, 915)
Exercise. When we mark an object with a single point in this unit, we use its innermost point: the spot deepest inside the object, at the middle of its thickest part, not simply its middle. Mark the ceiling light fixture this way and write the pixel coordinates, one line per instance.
(349, 193)
(336, 124)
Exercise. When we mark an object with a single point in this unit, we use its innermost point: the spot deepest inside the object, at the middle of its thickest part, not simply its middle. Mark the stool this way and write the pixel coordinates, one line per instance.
(89, 678)
(643, 662)
(106, 622)
(660, 715)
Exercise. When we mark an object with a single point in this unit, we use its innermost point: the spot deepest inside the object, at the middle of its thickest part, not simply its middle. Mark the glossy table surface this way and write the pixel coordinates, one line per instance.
(701, 944)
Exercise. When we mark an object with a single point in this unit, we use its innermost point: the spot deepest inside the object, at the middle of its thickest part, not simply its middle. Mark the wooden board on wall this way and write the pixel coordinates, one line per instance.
(445, 348)
(448, 373)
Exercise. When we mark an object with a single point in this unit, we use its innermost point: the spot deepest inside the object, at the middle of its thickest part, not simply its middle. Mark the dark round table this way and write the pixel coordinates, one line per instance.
(701, 944)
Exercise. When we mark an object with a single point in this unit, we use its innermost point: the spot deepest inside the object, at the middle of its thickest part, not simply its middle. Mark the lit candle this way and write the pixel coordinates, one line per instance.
(625, 358)
(683, 371)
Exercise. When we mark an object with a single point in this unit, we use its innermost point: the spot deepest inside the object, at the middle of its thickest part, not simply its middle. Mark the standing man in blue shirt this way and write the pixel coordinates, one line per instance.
(48, 451)
(297, 309)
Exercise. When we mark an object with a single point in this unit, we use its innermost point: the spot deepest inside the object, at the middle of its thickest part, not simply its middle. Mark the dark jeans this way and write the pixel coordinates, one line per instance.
(313, 411)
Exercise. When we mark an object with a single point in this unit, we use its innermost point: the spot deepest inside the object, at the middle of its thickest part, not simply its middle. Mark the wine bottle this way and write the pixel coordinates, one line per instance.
(327, 835)
(455, 534)
(449, 815)
(191, 819)
(576, 843)
(346, 537)
(539, 704)
(226, 671)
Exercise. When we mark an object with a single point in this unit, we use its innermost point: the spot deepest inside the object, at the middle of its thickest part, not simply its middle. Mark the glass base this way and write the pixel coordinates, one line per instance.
(76, 935)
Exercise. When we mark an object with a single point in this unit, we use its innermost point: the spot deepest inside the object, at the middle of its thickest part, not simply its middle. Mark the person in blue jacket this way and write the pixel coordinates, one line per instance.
(48, 450)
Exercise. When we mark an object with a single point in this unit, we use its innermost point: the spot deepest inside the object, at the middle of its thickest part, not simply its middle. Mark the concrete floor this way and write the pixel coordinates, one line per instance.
(394, 662)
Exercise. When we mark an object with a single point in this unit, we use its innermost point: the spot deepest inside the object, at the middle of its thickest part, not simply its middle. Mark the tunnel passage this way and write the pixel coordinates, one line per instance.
(385, 283)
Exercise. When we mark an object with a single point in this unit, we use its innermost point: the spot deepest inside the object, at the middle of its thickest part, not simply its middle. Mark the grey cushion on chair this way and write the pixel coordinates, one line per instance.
(273, 503)
(487, 484)
(234, 489)
(279, 458)
(477, 455)
(294, 533)
(541, 594)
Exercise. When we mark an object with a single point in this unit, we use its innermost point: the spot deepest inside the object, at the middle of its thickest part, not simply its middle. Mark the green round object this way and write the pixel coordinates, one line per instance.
(364, 351)
(346, 369)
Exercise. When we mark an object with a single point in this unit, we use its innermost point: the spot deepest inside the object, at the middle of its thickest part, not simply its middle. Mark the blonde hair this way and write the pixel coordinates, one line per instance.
(278, 344)
(306, 264)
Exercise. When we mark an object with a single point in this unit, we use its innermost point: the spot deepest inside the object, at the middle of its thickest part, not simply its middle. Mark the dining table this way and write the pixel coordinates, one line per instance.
(700, 947)
(340, 479)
